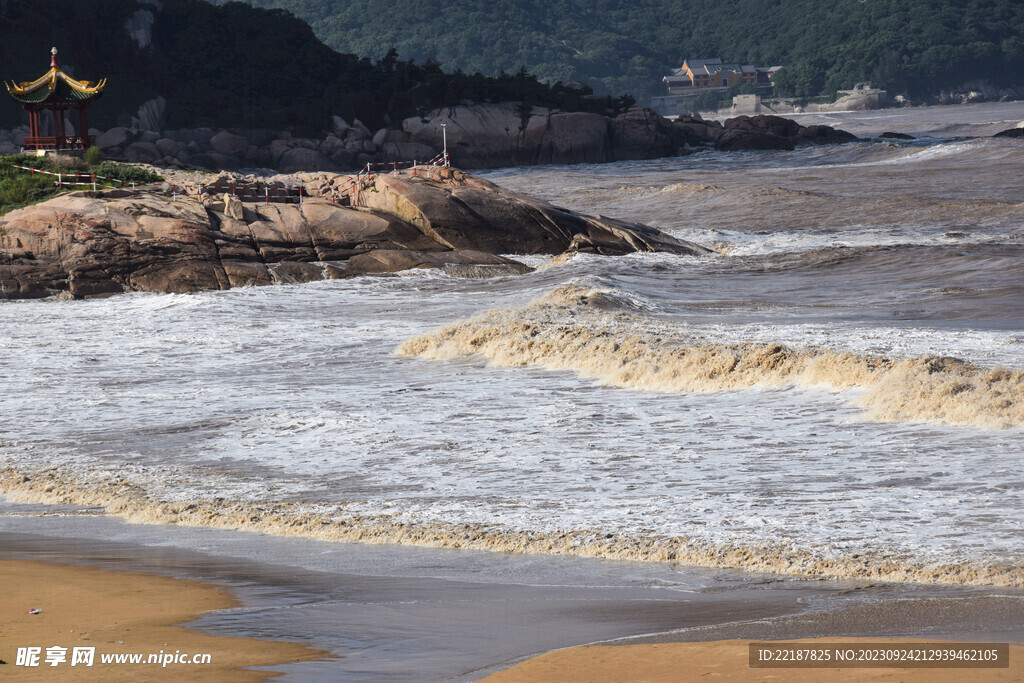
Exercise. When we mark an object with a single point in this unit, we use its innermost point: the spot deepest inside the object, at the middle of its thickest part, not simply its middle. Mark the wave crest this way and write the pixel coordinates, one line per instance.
(588, 332)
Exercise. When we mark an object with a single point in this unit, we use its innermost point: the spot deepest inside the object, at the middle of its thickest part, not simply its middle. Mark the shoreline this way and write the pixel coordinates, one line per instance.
(120, 498)
(419, 614)
(102, 613)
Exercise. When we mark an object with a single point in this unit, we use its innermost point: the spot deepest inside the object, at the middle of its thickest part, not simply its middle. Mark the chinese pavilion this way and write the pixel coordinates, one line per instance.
(57, 92)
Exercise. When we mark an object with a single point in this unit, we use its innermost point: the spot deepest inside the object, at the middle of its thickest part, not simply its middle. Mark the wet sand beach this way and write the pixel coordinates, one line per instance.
(726, 661)
(61, 609)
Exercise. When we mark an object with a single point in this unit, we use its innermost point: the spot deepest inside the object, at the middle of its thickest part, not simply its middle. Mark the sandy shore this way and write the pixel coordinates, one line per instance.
(122, 612)
(725, 660)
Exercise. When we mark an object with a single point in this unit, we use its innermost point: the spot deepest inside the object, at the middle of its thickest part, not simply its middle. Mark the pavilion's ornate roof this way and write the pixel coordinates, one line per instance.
(55, 86)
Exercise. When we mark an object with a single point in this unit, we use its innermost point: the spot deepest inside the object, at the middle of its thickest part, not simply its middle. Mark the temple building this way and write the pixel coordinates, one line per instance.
(57, 93)
(685, 86)
(712, 73)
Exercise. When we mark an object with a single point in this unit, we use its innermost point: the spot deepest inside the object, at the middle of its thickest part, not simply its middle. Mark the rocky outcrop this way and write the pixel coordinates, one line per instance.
(495, 135)
(761, 132)
(478, 136)
(461, 211)
(492, 135)
(97, 244)
(1011, 133)
(775, 132)
(641, 133)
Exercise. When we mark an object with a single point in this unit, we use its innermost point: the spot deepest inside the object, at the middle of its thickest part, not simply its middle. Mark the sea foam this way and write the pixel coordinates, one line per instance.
(590, 332)
(122, 498)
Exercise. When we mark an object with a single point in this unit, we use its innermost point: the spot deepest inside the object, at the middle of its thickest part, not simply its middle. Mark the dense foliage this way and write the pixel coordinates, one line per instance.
(917, 47)
(19, 188)
(240, 67)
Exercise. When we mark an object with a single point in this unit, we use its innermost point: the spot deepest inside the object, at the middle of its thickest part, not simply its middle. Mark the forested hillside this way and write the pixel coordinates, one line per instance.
(917, 47)
(236, 66)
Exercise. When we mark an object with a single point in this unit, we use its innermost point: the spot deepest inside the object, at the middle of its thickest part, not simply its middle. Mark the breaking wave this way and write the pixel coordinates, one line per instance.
(592, 333)
(332, 522)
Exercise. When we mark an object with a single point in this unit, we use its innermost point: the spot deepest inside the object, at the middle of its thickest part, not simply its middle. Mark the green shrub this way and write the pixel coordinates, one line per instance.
(125, 172)
(92, 156)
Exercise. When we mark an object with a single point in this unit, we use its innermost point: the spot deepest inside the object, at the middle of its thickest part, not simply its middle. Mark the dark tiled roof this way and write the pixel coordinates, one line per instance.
(55, 86)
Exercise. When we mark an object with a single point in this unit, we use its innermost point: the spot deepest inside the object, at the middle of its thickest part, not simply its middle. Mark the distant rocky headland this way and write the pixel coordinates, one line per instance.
(86, 244)
(478, 136)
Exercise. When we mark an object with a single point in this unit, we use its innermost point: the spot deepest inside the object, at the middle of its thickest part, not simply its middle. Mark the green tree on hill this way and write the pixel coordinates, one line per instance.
(914, 46)
(235, 66)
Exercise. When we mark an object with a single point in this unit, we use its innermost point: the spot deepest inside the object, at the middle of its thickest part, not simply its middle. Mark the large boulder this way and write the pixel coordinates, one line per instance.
(775, 132)
(279, 147)
(144, 152)
(332, 145)
(775, 125)
(229, 144)
(339, 126)
(461, 211)
(169, 147)
(1011, 133)
(407, 151)
(889, 135)
(360, 127)
(827, 135)
(641, 133)
(572, 138)
(480, 136)
(693, 130)
(493, 135)
(743, 139)
(115, 137)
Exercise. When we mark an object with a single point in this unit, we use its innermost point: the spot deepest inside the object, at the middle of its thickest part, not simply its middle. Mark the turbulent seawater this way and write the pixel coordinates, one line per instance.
(838, 392)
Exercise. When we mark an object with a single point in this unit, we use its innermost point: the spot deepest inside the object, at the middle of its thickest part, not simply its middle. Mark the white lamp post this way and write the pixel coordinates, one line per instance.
(444, 135)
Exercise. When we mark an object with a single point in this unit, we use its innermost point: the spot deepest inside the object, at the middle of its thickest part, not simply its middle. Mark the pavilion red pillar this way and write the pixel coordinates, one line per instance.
(83, 127)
